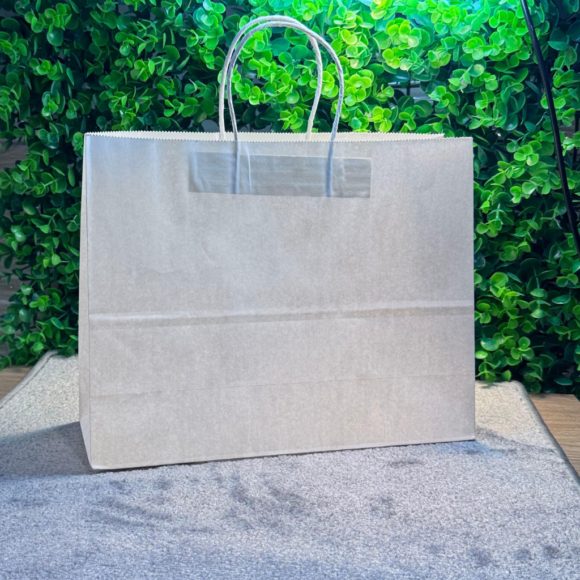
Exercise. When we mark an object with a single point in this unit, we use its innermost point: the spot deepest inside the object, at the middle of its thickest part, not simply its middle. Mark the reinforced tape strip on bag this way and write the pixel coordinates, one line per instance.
(279, 175)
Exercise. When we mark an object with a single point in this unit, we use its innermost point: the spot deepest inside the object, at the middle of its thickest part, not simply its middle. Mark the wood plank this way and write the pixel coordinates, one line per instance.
(10, 377)
(15, 154)
(561, 413)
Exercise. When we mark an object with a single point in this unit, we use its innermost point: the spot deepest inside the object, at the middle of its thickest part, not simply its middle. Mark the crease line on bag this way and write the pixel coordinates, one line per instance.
(184, 319)
(289, 384)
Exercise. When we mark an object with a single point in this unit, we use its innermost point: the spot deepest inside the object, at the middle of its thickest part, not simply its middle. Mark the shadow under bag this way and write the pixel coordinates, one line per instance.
(248, 294)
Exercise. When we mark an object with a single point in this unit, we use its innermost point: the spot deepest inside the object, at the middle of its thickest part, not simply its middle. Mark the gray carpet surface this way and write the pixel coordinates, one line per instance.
(504, 506)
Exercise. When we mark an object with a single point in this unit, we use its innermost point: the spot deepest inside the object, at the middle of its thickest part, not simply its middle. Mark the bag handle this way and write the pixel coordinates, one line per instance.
(227, 64)
(233, 53)
(227, 73)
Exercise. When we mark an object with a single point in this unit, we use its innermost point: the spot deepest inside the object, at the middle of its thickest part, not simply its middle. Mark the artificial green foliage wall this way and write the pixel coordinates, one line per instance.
(75, 66)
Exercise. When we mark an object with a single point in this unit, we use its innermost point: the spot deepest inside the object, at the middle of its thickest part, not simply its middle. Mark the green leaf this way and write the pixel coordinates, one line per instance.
(208, 107)
(28, 208)
(25, 315)
(499, 279)
(38, 347)
(172, 53)
(558, 40)
(279, 45)
(10, 24)
(55, 37)
(561, 299)
(490, 344)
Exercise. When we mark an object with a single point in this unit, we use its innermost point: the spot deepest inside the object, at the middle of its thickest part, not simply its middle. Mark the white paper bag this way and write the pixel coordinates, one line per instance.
(252, 294)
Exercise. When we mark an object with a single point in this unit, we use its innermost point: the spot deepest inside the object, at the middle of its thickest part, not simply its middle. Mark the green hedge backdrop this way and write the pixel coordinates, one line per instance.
(76, 66)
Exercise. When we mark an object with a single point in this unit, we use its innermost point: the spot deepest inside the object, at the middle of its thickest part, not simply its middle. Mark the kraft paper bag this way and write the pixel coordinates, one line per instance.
(251, 294)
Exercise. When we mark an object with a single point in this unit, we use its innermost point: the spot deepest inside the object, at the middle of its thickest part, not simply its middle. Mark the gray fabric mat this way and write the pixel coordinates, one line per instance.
(504, 506)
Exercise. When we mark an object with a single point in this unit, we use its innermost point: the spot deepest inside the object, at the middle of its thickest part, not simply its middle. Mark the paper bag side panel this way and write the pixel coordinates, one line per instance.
(84, 333)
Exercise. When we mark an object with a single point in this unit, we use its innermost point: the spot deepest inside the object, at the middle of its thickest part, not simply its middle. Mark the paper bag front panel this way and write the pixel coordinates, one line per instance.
(194, 299)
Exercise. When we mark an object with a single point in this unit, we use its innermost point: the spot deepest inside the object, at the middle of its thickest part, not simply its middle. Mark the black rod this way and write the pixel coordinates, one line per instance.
(547, 82)
(576, 118)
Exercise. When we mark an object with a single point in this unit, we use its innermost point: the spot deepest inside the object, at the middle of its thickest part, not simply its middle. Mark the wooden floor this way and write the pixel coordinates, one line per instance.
(561, 413)
(10, 377)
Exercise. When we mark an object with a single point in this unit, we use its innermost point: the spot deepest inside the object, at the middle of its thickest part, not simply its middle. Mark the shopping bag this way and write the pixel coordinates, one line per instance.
(248, 293)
